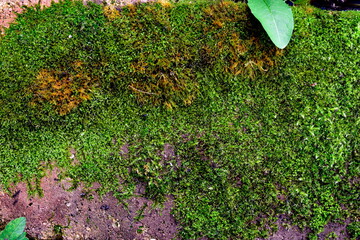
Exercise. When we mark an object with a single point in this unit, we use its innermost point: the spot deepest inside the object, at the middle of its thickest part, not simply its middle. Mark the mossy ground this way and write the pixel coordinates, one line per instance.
(256, 131)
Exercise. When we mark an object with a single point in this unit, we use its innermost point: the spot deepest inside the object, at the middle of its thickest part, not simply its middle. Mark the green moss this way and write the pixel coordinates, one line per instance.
(354, 229)
(149, 50)
(257, 132)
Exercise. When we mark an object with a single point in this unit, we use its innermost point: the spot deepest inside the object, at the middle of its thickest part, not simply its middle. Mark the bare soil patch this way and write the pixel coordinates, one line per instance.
(287, 231)
(82, 214)
(9, 8)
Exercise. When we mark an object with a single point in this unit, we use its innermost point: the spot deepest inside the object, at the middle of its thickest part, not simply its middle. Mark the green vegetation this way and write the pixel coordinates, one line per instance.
(276, 18)
(354, 230)
(256, 131)
(14, 230)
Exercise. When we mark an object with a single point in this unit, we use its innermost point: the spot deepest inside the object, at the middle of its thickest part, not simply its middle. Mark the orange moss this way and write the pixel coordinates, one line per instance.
(139, 67)
(63, 90)
(222, 11)
(132, 9)
(309, 9)
(240, 52)
(165, 3)
(161, 87)
(111, 12)
(218, 23)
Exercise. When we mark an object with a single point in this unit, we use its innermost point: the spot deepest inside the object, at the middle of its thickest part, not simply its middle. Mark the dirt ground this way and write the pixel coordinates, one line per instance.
(9, 8)
(288, 232)
(80, 214)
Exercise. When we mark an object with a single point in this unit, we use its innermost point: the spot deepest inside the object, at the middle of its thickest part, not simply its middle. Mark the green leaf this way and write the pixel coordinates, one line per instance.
(22, 237)
(277, 19)
(14, 230)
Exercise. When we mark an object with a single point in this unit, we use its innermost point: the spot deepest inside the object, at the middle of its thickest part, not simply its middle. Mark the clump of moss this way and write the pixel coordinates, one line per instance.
(159, 71)
(231, 37)
(111, 12)
(153, 51)
(61, 89)
(167, 46)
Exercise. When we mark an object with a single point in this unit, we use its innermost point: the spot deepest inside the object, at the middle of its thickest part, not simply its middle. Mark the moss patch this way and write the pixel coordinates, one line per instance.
(256, 131)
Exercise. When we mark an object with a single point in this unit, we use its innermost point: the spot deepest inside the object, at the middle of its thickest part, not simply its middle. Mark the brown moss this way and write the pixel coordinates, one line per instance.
(161, 85)
(239, 50)
(218, 23)
(222, 12)
(111, 12)
(159, 74)
(132, 10)
(165, 3)
(309, 9)
(164, 74)
(63, 90)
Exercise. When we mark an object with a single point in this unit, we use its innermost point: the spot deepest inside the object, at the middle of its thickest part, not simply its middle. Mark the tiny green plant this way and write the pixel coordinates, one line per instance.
(277, 19)
(14, 230)
(354, 230)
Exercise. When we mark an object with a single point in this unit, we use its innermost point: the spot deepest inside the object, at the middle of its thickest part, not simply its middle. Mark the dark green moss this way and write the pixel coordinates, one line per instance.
(146, 50)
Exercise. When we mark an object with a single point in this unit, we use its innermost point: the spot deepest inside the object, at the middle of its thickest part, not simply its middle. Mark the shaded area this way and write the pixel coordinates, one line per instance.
(337, 5)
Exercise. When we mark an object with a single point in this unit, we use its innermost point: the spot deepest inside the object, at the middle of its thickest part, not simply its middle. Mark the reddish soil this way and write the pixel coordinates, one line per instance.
(82, 214)
(9, 8)
(286, 231)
